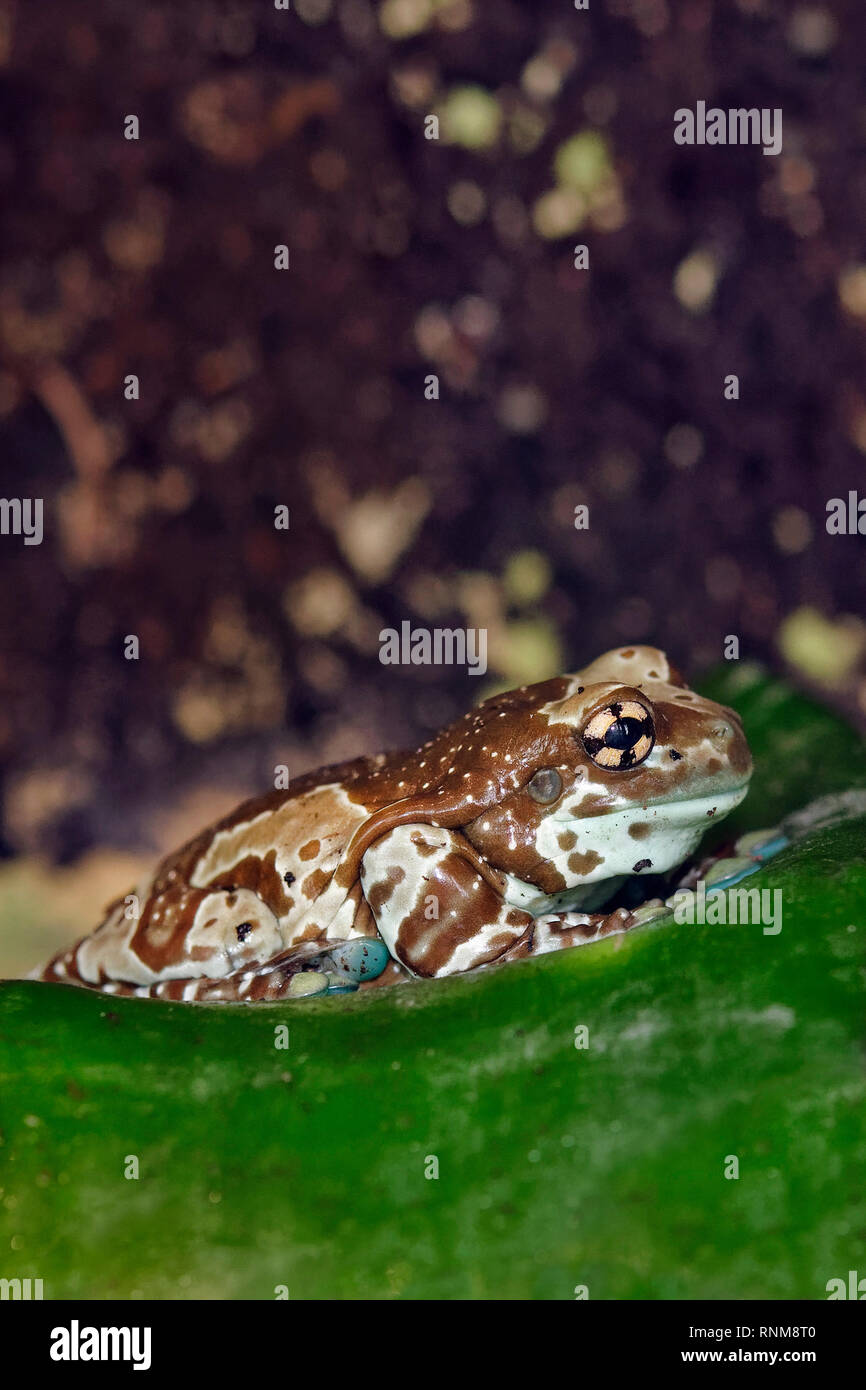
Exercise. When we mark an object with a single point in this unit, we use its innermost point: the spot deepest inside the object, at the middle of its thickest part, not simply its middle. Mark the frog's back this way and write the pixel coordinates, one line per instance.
(261, 880)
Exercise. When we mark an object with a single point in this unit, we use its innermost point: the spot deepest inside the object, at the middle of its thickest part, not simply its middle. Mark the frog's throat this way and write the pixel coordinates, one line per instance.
(673, 830)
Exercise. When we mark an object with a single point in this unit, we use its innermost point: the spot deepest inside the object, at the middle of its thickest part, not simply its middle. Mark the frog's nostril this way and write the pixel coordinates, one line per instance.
(722, 732)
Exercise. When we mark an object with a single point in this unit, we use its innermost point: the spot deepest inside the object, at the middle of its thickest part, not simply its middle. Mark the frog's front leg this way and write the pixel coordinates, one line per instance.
(437, 906)
(440, 909)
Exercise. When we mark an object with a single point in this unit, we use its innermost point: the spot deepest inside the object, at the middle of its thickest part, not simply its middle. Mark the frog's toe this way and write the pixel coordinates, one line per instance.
(339, 984)
(362, 958)
(307, 982)
(310, 968)
(762, 844)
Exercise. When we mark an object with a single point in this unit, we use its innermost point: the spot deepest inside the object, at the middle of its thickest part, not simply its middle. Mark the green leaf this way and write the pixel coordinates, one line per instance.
(558, 1166)
(801, 750)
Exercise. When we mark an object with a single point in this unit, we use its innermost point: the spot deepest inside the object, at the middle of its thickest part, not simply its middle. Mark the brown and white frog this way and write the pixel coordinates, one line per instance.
(501, 837)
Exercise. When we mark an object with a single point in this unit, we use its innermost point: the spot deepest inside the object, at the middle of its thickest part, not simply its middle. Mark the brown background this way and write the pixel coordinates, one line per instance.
(306, 387)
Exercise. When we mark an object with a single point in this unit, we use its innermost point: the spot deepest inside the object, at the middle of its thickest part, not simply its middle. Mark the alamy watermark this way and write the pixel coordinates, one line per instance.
(853, 1287)
(22, 516)
(846, 516)
(736, 126)
(20, 1289)
(438, 646)
(756, 907)
(77, 1343)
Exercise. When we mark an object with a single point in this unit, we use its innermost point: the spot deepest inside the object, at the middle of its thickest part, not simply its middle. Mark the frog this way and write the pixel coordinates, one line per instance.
(503, 836)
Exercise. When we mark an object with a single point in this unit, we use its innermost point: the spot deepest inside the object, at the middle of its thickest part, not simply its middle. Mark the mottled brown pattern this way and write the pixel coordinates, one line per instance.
(423, 845)
(314, 883)
(259, 875)
(585, 862)
(160, 937)
(426, 946)
(312, 932)
(497, 944)
(363, 922)
(516, 827)
(593, 804)
(379, 892)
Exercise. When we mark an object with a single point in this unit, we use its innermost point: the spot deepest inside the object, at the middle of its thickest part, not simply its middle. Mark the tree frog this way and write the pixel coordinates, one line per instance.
(501, 837)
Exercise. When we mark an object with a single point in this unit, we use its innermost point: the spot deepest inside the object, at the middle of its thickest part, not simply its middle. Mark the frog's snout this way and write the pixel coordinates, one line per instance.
(725, 733)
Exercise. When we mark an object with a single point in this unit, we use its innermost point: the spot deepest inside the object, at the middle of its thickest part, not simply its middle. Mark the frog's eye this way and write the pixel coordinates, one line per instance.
(620, 736)
(545, 786)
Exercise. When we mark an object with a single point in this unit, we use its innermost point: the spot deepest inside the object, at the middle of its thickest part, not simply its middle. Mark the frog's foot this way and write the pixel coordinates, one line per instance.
(307, 968)
(559, 930)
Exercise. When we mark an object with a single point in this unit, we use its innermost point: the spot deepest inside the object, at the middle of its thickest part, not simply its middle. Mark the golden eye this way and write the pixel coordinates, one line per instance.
(545, 786)
(620, 736)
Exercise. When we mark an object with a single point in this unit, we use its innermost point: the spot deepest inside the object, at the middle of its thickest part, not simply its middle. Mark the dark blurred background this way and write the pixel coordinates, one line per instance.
(306, 387)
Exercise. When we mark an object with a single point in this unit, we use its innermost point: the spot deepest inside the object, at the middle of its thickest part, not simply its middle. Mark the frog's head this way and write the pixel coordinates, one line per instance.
(615, 770)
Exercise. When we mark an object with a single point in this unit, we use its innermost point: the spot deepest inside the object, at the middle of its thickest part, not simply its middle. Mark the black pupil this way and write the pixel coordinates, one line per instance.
(624, 733)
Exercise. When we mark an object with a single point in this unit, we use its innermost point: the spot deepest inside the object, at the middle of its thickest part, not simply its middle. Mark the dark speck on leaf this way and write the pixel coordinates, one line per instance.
(642, 864)
(288, 878)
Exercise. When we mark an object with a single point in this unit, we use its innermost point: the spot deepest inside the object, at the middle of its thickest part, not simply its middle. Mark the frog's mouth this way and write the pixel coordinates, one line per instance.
(725, 799)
